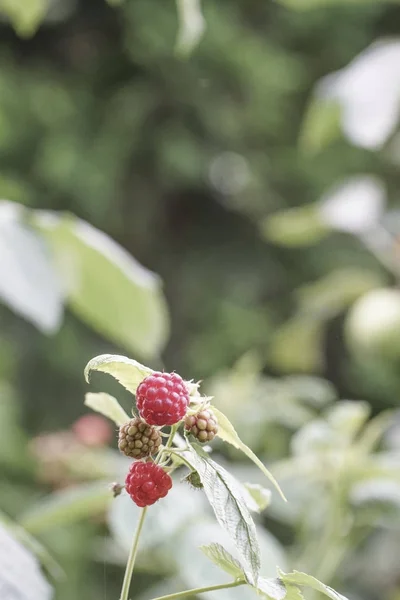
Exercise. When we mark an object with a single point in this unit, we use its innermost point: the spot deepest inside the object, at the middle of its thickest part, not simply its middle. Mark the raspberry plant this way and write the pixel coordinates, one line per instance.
(166, 400)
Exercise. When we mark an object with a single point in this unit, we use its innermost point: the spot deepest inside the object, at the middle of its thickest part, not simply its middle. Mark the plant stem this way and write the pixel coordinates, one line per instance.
(132, 557)
(203, 590)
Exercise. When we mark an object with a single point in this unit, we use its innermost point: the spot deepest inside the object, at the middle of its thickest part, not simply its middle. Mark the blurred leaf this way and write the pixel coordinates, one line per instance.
(221, 557)
(297, 345)
(25, 15)
(66, 506)
(334, 292)
(28, 281)
(347, 418)
(313, 438)
(126, 371)
(129, 308)
(315, 391)
(302, 579)
(191, 26)
(261, 496)
(376, 491)
(182, 505)
(355, 205)
(321, 124)
(20, 574)
(228, 433)
(301, 226)
(108, 406)
(32, 544)
(310, 4)
(231, 512)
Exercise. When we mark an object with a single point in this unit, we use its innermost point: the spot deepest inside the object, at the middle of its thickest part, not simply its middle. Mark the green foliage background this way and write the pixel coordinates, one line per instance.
(189, 159)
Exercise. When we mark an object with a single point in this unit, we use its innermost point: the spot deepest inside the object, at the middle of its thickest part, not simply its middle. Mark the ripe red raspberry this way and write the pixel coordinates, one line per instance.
(162, 399)
(204, 425)
(137, 439)
(146, 483)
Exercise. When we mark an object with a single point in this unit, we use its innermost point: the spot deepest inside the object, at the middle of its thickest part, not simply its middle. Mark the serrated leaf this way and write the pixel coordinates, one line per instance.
(108, 406)
(293, 593)
(224, 494)
(105, 286)
(228, 433)
(223, 559)
(67, 506)
(260, 495)
(302, 579)
(126, 371)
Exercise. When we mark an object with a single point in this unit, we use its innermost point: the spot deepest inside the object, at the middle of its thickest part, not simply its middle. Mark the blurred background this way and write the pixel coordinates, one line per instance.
(212, 188)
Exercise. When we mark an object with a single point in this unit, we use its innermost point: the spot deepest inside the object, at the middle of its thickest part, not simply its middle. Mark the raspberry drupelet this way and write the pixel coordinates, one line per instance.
(162, 399)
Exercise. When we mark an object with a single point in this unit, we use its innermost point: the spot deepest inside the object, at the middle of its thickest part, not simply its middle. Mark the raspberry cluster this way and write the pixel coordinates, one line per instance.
(137, 439)
(203, 426)
(146, 483)
(162, 399)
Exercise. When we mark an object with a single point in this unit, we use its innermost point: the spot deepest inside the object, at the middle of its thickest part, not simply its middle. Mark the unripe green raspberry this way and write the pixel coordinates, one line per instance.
(137, 439)
(203, 426)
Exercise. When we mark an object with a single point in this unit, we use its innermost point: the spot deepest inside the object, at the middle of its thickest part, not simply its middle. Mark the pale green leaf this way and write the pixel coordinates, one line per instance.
(293, 593)
(191, 26)
(67, 506)
(29, 284)
(332, 294)
(260, 495)
(126, 371)
(25, 15)
(302, 579)
(228, 433)
(321, 125)
(223, 559)
(105, 286)
(225, 497)
(296, 346)
(108, 406)
(273, 589)
(301, 226)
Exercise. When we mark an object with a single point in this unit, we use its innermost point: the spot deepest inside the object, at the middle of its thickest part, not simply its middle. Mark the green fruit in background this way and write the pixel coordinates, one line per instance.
(372, 325)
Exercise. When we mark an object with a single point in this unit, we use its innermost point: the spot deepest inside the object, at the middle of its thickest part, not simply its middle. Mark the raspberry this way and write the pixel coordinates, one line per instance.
(146, 483)
(162, 399)
(137, 439)
(203, 426)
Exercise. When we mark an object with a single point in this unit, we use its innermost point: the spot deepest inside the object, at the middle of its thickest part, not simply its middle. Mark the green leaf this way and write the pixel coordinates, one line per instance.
(126, 371)
(296, 346)
(67, 506)
(228, 433)
(260, 495)
(223, 559)
(302, 579)
(108, 406)
(25, 15)
(29, 284)
(301, 226)
(224, 494)
(321, 125)
(106, 287)
(191, 26)
(332, 294)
